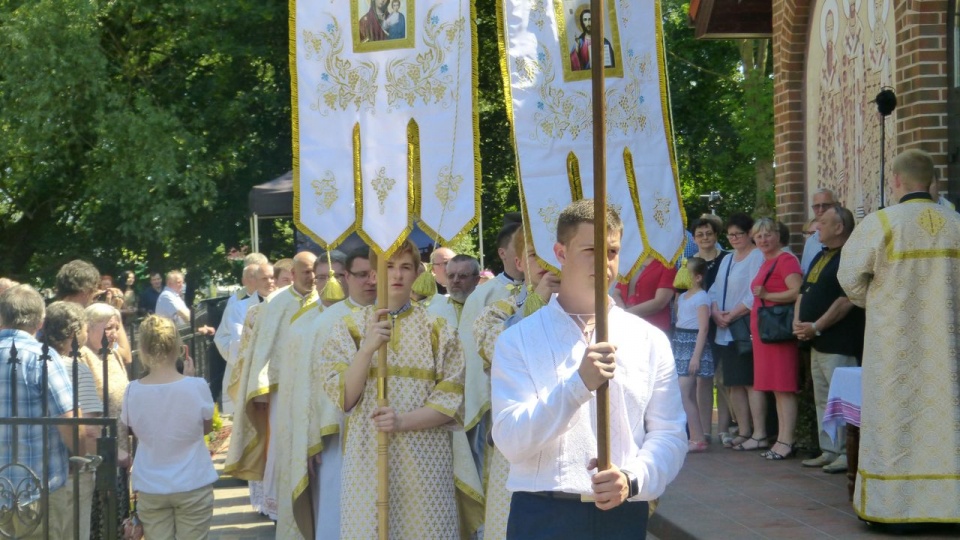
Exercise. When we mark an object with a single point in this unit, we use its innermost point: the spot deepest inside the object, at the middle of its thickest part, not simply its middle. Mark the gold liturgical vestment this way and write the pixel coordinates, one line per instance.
(425, 362)
(903, 265)
(246, 456)
(487, 328)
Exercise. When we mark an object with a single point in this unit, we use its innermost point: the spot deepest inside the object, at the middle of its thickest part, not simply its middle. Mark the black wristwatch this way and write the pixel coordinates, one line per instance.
(634, 483)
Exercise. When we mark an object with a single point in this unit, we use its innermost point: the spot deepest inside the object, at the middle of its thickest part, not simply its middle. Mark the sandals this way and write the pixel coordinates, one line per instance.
(696, 447)
(728, 439)
(761, 444)
(775, 456)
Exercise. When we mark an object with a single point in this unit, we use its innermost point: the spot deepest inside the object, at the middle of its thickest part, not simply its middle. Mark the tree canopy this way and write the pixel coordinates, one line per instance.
(132, 131)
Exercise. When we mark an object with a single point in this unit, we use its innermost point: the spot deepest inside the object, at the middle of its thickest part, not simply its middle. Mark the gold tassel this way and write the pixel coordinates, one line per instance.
(332, 292)
(683, 279)
(425, 286)
(532, 303)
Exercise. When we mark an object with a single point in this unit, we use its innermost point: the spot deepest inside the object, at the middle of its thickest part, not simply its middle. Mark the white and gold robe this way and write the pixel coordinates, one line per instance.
(442, 305)
(425, 361)
(476, 381)
(313, 427)
(903, 265)
(487, 328)
(248, 457)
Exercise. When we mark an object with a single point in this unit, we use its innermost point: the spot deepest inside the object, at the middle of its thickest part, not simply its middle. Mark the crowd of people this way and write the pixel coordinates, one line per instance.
(491, 386)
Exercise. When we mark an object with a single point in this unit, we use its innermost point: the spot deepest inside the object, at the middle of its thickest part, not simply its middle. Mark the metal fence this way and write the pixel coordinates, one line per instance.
(25, 493)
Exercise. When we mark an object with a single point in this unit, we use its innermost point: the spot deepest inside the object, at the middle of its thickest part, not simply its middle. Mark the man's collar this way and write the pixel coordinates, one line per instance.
(916, 195)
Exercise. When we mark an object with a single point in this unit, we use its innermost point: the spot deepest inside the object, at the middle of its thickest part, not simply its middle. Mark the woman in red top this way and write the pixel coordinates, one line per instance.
(652, 292)
(775, 365)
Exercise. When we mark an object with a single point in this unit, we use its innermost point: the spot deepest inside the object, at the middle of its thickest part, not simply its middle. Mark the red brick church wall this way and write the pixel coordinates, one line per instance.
(921, 87)
(922, 77)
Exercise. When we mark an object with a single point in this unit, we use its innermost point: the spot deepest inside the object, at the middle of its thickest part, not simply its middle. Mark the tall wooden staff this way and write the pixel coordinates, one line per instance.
(383, 438)
(600, 219)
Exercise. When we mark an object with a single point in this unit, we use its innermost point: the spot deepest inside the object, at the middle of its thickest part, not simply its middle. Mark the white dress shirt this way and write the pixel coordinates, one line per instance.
(544, 417)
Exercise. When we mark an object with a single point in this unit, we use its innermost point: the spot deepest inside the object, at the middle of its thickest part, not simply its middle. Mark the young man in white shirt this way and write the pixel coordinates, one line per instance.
(545, 371)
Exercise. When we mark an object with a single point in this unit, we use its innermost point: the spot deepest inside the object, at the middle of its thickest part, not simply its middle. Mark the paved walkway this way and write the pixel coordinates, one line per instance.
(728, 494)
(233, 517)
(719, 494)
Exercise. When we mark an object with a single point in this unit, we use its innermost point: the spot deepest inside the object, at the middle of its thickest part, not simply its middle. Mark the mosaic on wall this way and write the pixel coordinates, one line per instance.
(850, 58)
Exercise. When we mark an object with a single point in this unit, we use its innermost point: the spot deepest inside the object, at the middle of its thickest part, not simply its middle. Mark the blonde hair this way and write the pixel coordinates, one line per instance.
(101, 313)
(408, 247)
(159, 341)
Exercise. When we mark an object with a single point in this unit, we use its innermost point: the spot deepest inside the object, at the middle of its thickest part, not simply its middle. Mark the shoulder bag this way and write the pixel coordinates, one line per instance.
(739, 328)
(775, 322)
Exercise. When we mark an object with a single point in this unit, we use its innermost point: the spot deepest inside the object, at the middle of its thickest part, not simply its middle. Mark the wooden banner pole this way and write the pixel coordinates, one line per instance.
(383, 438)
(597, 61)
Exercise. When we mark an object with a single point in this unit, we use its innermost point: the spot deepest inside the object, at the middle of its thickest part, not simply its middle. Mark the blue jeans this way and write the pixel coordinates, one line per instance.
(534, 517)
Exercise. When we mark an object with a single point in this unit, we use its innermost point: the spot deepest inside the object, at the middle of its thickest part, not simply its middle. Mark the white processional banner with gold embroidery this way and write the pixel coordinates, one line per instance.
(545, 56)
(385, 122)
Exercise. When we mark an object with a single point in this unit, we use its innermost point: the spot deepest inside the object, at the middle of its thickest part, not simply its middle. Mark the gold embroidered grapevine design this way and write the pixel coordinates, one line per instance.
(342, 83)
(427, 76)
(326, 192)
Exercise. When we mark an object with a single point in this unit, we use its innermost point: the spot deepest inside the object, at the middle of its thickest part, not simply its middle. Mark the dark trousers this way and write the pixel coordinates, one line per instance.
(535, 517)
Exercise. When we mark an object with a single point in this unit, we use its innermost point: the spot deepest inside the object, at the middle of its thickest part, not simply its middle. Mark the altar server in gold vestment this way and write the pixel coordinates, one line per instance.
(425, 388)
(487, 328)
(903, 265)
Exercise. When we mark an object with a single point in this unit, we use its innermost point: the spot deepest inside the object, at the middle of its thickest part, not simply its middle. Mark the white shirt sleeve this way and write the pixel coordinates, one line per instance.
(523, 422)
(664, 442)
(225, 331)
(754, 262)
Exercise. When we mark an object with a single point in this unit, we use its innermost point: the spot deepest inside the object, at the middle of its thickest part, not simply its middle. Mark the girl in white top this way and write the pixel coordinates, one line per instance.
(169, 413)
(693, 356)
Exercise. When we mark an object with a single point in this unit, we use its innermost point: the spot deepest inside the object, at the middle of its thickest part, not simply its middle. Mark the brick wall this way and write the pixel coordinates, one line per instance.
(922, 77)
(921, 87)
(789, 48)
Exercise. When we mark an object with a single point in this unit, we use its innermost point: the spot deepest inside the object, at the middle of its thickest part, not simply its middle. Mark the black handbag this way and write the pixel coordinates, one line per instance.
(775, 323)
(739, 328)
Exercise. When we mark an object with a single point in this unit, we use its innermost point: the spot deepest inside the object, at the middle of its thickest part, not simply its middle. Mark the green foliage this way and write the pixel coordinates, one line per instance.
(132, 131)
(721, 124)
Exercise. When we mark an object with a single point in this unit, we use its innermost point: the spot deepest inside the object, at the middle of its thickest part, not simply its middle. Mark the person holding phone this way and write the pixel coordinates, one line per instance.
(169, 413)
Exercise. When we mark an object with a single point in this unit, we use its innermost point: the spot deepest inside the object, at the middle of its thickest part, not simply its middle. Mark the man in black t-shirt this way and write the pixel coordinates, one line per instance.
(832, 325)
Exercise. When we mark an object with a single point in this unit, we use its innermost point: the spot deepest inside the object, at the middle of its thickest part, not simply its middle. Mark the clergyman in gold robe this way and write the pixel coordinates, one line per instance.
(903, 265)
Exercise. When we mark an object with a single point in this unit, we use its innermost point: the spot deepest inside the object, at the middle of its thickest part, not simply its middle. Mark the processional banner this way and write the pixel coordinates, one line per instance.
(384, 120)
(546, 59)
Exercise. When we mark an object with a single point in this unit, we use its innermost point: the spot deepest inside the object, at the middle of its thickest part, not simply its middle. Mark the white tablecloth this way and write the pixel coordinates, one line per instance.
(843, 401)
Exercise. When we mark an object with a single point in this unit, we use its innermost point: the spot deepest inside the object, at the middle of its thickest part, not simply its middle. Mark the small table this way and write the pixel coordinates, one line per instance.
(843, 408)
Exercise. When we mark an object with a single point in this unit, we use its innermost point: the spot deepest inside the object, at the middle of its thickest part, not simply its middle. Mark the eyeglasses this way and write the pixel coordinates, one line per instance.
(706, 234)
(360, 275)
(458, 277)
(821, 206)
(736, 235)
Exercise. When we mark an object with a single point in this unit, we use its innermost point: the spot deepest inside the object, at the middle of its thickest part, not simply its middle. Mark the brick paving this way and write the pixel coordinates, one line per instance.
(726, 494)
(233, 517)
(720, 494)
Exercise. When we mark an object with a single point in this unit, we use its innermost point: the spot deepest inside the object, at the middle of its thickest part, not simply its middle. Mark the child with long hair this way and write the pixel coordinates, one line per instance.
(693, 356)
(169, 413)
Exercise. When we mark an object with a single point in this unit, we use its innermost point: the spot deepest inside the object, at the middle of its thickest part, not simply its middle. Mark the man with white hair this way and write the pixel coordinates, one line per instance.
(170, 304)
(21, 316)
(824, 198)
(463, 276)
(227, 337)
(249, 457)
